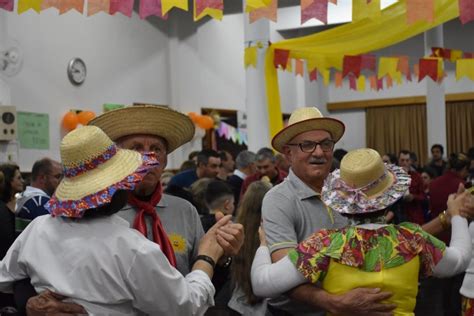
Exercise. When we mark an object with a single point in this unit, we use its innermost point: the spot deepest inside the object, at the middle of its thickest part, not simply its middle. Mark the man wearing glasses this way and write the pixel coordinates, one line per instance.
(292, 211)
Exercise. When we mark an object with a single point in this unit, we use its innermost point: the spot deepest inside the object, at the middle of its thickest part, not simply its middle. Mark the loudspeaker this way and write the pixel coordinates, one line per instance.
(8, 125)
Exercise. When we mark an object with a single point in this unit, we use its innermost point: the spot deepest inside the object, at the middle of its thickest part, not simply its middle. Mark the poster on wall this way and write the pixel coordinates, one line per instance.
(33, 130)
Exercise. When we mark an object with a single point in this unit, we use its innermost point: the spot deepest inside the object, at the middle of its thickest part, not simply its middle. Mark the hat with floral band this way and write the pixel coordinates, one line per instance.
(364, 184)
(94, 169)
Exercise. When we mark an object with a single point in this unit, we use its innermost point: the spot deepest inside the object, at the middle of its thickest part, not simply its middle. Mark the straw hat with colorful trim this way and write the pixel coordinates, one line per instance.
(307, 119)
(176, 127)
(94, 169)
(364, 183)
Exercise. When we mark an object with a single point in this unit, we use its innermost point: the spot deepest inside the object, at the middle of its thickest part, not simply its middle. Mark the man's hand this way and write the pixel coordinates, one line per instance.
(48, 303)
(230, 237)
(361, 302)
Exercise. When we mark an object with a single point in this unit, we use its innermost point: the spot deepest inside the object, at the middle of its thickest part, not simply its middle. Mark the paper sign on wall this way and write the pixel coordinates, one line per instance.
(33, 130)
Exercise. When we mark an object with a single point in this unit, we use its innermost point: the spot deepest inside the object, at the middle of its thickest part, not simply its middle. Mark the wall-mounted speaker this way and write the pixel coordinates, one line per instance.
(8, 124)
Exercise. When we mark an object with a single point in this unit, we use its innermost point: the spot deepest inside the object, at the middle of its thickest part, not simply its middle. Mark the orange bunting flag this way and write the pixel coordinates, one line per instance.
(46, 4)
(251, 5)
(313, 75)
(373, 82)
(351, 64)
(428, 67)
(96, 6)
(67, 5)
(416, 70)
(299, 67)
(281, 58)
(361, 83)
(465, 68)
(213, 8)
(466, 11)
(420, 10)
(269, 12)
(167, 5)
(333, 2)
(389, 81)
(338, 79)
(404, 66)
(317, 9)
(25, 5)
(363, 9)
(123, 6)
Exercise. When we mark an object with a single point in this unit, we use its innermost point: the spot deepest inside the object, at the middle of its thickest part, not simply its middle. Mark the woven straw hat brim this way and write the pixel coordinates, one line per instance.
(177, 128)
(334, 127)
(114, 170)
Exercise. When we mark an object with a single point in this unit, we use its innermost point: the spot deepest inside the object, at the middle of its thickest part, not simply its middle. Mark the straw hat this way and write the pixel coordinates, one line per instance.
(94, 169)
(176, 127)
(304, 120)
(364, 183)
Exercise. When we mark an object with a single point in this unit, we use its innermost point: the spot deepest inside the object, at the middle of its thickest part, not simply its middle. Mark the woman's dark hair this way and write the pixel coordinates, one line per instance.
(392, 157)
(458, 162)
(8, 171)
(119, 200)
(250, 215)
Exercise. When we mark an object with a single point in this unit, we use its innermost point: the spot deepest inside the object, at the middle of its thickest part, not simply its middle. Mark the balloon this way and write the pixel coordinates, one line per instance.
(205, 122)
(70, 121)
(193, 116)
(85, 117)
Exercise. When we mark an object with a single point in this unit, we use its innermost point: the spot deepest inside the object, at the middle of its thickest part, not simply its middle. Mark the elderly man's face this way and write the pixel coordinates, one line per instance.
(310, 167)
(147, 143)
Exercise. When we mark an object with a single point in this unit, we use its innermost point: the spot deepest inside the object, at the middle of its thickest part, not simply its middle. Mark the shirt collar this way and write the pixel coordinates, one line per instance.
(303, 191)
(240, 174)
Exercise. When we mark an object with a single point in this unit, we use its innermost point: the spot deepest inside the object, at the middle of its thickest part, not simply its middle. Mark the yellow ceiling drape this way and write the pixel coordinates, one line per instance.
(327, 49)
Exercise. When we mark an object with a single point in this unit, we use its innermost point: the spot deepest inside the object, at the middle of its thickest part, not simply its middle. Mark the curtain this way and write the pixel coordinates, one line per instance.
(460, 126)
(391, 129)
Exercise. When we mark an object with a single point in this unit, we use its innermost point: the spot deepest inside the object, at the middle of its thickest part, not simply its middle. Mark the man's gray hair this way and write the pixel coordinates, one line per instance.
(244, 159)
(265, 153)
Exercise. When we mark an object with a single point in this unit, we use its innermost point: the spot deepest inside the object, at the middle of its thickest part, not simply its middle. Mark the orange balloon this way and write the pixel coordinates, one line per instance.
(205, 122)
(70, 121)
(193, 116)
(85, 117)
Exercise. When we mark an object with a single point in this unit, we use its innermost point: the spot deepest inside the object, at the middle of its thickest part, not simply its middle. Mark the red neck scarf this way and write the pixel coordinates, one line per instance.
(159, 234)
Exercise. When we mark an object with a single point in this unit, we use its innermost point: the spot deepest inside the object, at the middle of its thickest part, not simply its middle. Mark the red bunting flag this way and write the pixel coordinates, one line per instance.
(351, 64)
(420, 10)
(441, 52)
(6, 5)
(281, 58)
(269, 12)
(151, 7)
(313, 75)
(317, 9)
(369, 62)
(123, 6)
(380, 84)
(468, 55)
(428, 67)
(352, 82)
(466, 11)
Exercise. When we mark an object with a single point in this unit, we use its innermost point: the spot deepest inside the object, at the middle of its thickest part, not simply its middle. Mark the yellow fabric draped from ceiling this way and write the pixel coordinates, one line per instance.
(327, 49)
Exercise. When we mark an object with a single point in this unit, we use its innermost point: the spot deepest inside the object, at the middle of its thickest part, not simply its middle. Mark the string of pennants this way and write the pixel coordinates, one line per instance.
(417, 10)
(358, 69)
(232, 133)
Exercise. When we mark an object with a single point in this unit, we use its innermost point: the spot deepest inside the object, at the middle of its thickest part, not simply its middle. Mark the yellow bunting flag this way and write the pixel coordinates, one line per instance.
(213, 8)
(299, 66)
(95, 6)
(66, 5)
(326, 73)
(46, 4)
(289, 65)
(251, 5)
(362, 9)
(251, 57)
(387, 66)
(455, 55)
(167, 5)
(465, 68)
(25, 5)
(361, 83)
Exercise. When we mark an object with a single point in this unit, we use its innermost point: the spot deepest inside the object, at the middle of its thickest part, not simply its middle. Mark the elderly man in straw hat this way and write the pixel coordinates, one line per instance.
(293, 210)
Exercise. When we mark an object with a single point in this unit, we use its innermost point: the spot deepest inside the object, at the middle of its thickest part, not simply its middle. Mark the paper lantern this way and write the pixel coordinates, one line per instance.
(70, 121)
(205, 122)
(85, 117)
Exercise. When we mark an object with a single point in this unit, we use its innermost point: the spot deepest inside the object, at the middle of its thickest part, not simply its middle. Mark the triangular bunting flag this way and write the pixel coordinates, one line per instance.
(251, 5)
(338, 79)
(465, 68)
(167, 5)
(299, 66)
(387, 66)
(212, 8)
(6, 5)
(363, 9)
(269, 12)
(25, 5)
(313, 75)
(317, 9)
(351, 64)
(150, 7)
(361, 83)
(404, 67)
(96, 6)
(468, 55)
(441, 52)
(416, 70)
(380, 84)
(251, 56)
(123, 6)
(369, 62)
(326, 73)
(352, 82)
(455, 55)
(420, 10)
(46, 4)
(428, 67)
(466, 11)
(281, 58)
(389, 81)
(67, 5)
(373, 82)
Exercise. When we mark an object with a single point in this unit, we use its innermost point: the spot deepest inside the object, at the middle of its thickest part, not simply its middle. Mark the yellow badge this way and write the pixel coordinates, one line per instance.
(178, 242)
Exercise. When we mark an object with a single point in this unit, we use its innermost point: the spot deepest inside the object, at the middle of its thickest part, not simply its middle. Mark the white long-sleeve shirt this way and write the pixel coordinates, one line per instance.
(271, 280)
(467, 288)
(104, 266)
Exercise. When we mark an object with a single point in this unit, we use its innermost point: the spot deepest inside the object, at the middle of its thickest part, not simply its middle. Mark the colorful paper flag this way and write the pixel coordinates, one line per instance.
(352, 82)
(96, 6)
(338, 79)
(389, 81)
(46, 4)
(123, 6)
(428, 67)
(361, 83)
(466, 11)
(441, 52)
(326, 73)
(251, 5)
(416, 70)
(465, 68)
(317, 9)
(420, 10)
(251, 56)
(333, 2)
(351, 64)
(6, 5)
(368, 62)
(455, 55)
(363, 9)
(313, 75)
(281, 58)
(150, 7)
(213, 8)
(404, 67)
(299, 67)
(373, 82)
(380, 84)
(387, 66)
(67, 5)
(25, 5)
(268, 12)
(167, 5)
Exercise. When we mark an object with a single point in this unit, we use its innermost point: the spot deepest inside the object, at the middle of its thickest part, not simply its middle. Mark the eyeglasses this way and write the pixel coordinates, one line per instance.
(310, 146)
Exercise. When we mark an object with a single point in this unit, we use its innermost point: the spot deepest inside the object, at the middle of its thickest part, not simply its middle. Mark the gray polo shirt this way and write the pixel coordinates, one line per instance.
(291, 212)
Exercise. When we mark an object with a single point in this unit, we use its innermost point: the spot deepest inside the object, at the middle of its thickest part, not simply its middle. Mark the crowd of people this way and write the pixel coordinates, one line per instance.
(300, 229)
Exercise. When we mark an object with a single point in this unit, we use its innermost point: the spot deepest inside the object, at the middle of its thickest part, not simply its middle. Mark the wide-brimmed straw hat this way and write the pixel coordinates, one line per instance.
(364, 183)
(307, 119)
(176, 127)
(94, 169)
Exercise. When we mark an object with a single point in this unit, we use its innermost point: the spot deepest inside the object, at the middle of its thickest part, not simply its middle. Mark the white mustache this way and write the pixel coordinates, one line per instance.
(317, 160)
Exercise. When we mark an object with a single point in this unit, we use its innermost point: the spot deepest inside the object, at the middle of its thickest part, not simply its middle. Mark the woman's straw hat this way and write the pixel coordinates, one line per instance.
(94, 169)
(364, 183)
(176, 127)
(304, 120)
